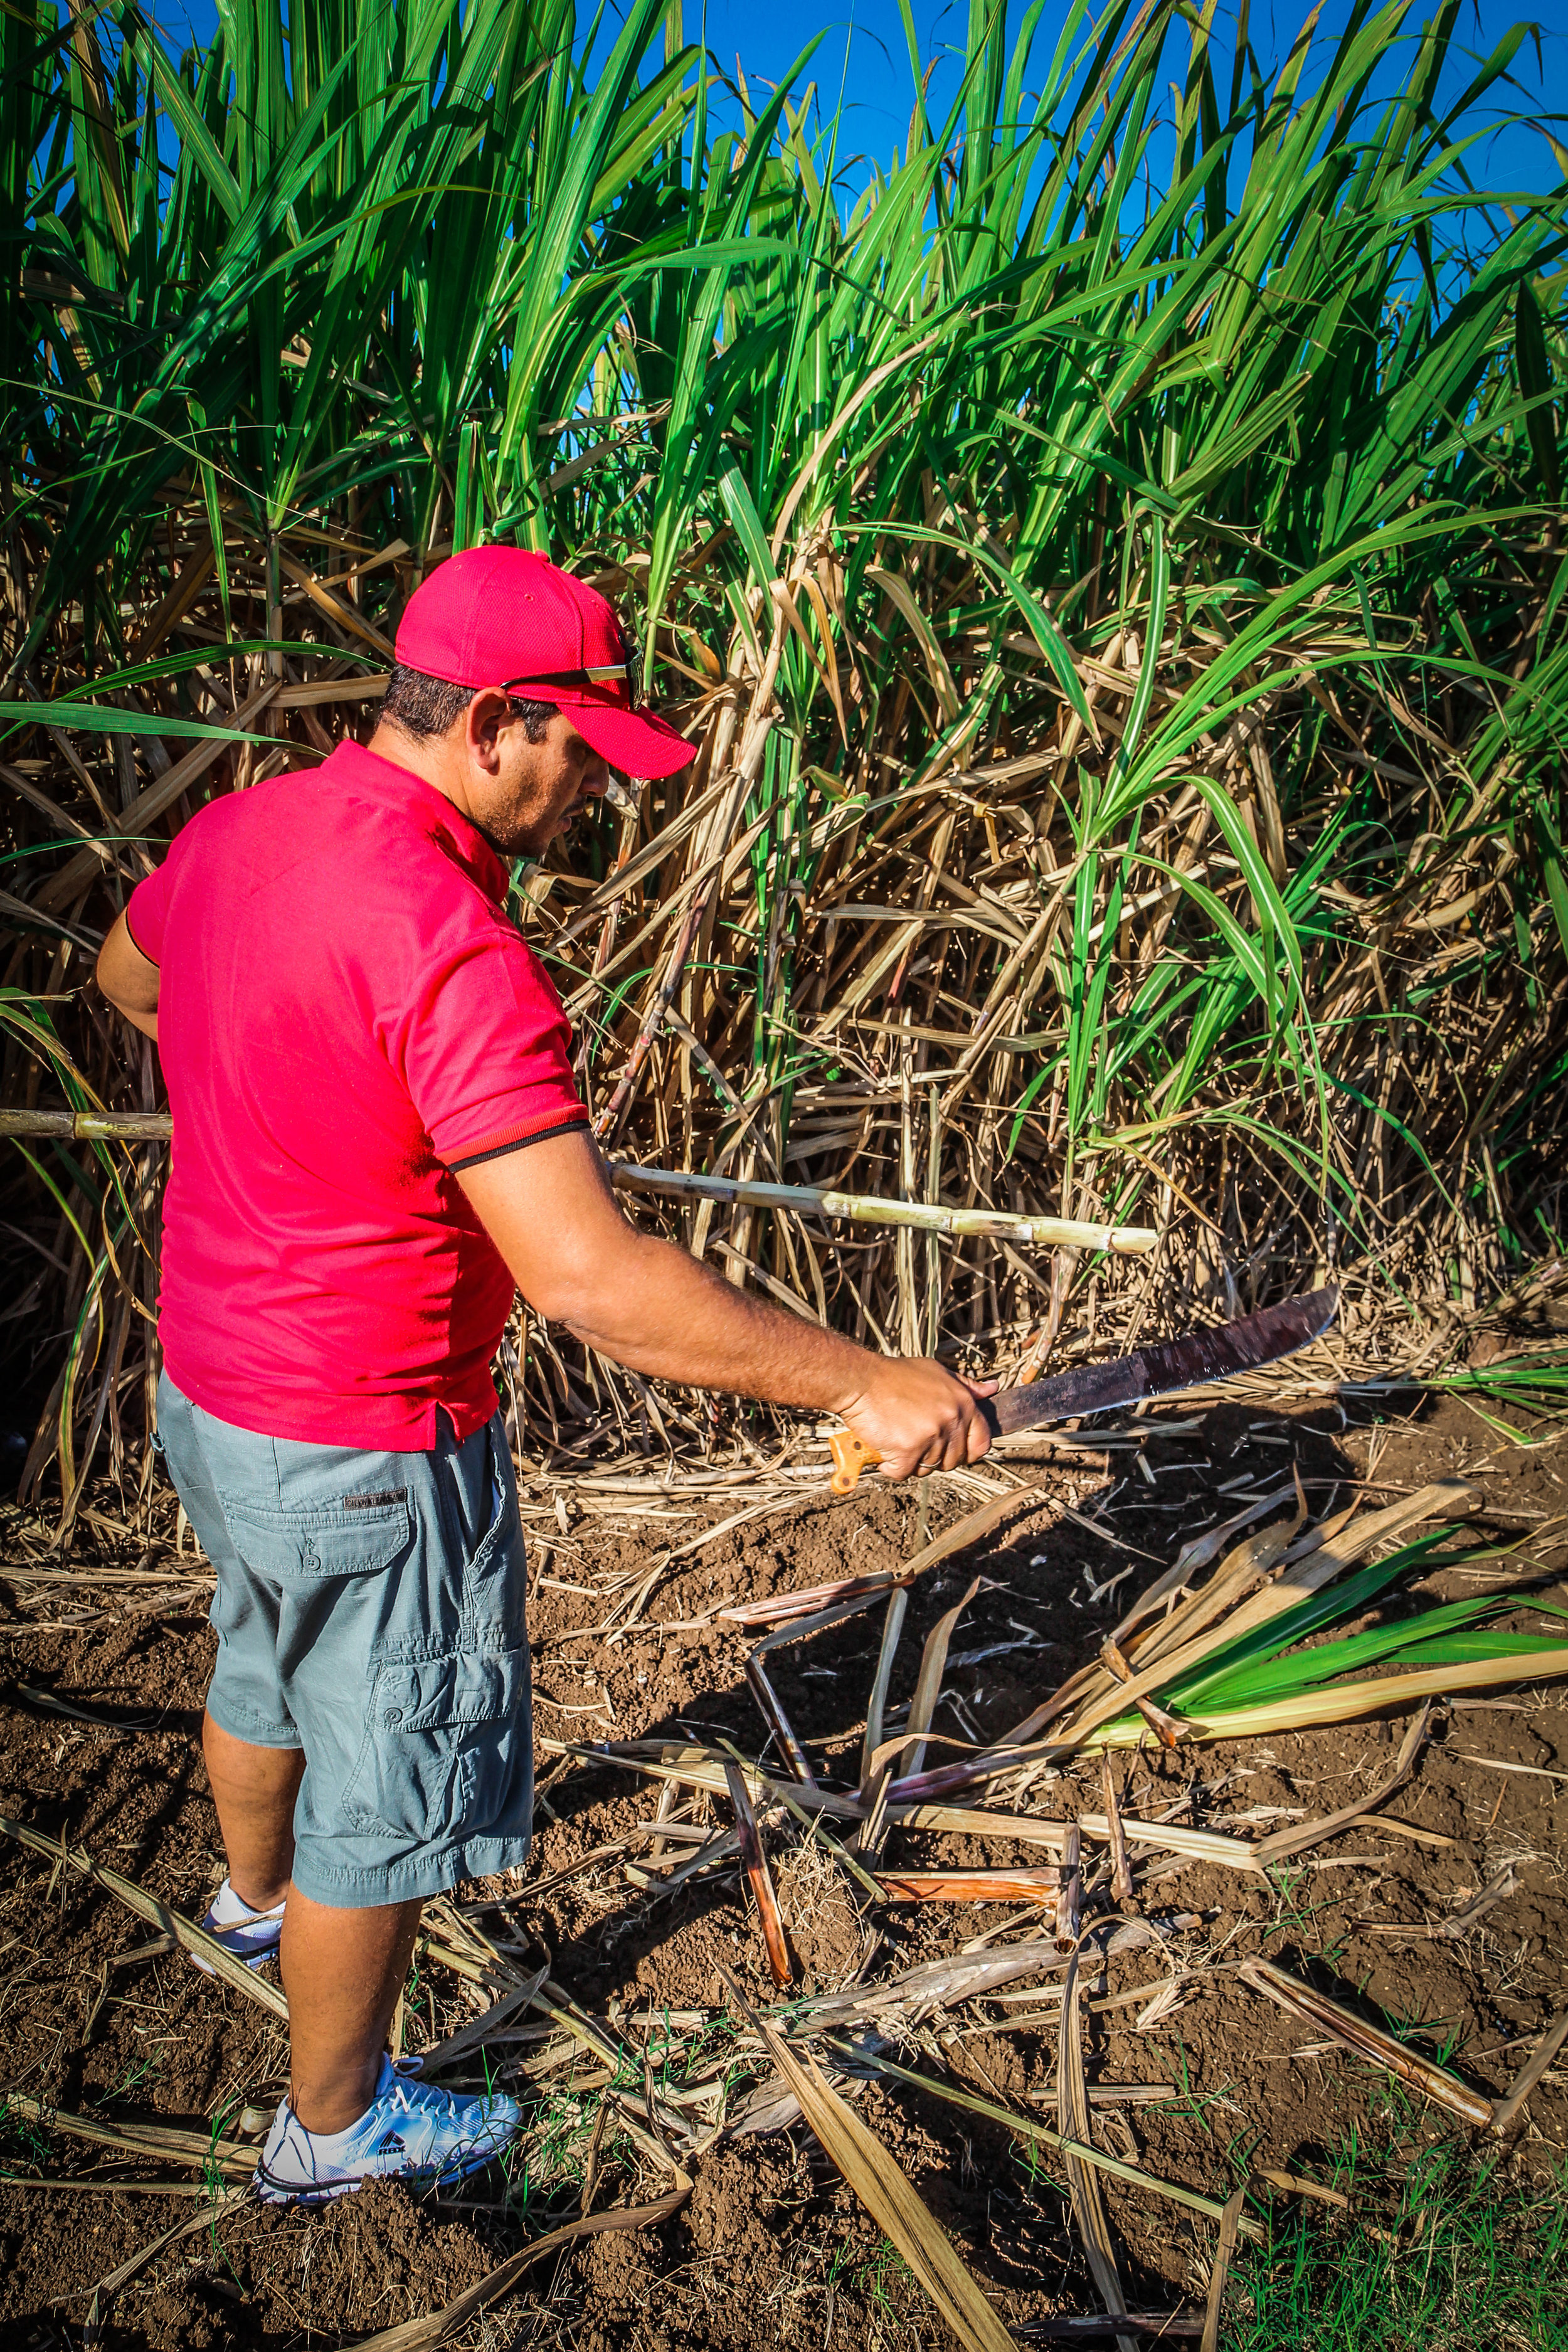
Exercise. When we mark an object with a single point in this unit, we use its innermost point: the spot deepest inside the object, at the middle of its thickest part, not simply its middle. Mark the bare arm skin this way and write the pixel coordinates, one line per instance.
(550, 1212)
(130, 980)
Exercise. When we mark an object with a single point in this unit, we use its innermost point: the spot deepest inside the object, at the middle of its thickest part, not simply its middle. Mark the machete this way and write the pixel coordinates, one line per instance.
(1189, 1363)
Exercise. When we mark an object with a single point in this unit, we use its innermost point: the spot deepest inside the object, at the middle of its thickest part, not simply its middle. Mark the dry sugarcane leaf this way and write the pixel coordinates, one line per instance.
(423, 2334)
(1150, 2326)
(1508, 2107)
(876, 1705)
(1121, 1887)
(1498, 1891)
(80, 871)
(1250, 1560)
(973, 1885)
(1165, 1727)
(1191, 1557)
(959, 1537)
(104, 2184)
(147, 1906)
(714, 1850)
(974, 1821)
(919, 1992)
(1072, 2116)
(478, 2031)
(1293, 2184)
(927, 1683)
(702, 1768)
(1315, 2009)
(229, 2156)
(588, 2033)
(1107, 1689)
(1236, 1575)
(1026, 2128)
(1173, 1837)
(763, 1691)
(1309, 1568)
(886, 2192)
(1218, 2274)
(1308, 1834)
(110, 2284)
(946, 1779)
(753, 1857)
(810, 1597)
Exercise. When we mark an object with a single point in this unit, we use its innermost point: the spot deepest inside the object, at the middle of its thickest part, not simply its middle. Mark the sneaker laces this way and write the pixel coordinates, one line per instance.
(434, 2109)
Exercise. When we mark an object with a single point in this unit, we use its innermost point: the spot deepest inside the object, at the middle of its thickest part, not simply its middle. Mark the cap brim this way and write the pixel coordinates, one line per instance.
(636, 742)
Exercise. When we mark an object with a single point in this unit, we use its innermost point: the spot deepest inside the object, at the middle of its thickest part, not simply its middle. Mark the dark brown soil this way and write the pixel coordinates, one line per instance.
(772, 2248)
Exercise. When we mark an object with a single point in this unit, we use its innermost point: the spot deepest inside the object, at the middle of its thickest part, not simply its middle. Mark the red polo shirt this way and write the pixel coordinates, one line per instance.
(345, 1018)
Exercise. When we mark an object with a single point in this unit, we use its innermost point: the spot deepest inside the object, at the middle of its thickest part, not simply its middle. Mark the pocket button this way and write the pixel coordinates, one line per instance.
(394, 1715)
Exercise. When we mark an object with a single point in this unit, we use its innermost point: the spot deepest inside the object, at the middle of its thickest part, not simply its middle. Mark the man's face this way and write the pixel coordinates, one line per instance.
(521, 794)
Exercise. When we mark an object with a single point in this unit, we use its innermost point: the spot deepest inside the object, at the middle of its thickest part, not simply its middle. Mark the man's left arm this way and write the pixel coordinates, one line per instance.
(130, 980)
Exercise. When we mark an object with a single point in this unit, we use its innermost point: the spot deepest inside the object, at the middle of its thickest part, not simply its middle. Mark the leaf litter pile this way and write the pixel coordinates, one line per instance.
(995, 1912)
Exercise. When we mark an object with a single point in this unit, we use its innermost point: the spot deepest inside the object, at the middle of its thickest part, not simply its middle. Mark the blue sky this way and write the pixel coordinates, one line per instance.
(865, 47)
(878, 87)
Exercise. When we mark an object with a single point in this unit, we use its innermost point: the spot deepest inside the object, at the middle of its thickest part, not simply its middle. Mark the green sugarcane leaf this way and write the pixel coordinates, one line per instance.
(96, 718)
(1535, 382)
(1343, 1596)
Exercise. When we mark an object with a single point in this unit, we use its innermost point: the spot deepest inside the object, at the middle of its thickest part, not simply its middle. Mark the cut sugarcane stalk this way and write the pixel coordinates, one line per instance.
(805, 1199)
(753, 1857)
(809, 1200)
(973, 1886)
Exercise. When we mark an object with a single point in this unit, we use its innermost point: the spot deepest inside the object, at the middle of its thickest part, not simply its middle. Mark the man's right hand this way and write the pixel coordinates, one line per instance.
(917, 1416)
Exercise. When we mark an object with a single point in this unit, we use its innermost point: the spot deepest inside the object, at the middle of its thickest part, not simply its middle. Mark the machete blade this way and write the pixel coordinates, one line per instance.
(1189, 1363)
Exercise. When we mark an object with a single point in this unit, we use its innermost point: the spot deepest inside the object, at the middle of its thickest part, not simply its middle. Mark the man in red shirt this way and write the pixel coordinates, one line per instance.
(377, 1136)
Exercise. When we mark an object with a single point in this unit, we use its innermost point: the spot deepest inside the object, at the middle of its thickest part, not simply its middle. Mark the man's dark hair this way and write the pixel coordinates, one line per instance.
(422, 706)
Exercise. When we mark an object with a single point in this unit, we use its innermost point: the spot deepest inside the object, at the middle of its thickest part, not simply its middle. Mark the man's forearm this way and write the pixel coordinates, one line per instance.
(676, 1319)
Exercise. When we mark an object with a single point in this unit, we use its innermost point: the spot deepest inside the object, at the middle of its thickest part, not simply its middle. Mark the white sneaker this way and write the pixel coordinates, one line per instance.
(411, 2132)
(251, 1935)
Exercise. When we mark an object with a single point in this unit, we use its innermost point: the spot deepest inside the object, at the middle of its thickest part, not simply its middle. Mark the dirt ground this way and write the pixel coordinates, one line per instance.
(772, 2248)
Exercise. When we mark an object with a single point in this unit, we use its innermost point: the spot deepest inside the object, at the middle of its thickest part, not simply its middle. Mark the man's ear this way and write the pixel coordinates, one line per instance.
(486, 714)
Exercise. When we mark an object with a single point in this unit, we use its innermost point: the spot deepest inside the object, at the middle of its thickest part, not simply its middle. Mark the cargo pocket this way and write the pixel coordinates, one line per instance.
(447, 1742)
(348, 1534)
(493, 1578)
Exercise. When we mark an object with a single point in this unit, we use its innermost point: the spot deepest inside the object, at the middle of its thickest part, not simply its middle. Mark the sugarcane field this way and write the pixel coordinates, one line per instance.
(784, 1175)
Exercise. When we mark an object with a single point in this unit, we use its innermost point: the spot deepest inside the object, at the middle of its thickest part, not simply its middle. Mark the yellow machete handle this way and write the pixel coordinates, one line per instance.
(851, 1455)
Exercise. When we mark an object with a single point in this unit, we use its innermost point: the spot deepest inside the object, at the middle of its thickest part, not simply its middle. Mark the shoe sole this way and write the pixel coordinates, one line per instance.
(320, 2193)
(256, 1960)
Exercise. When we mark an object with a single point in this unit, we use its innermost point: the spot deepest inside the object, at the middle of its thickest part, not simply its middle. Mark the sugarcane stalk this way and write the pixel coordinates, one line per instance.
(810, 1200)
(805, 1199)
(90, 1125)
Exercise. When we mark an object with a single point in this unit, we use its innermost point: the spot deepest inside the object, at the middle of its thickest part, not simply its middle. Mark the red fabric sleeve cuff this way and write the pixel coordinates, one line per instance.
(134, 941)
(512, 1139)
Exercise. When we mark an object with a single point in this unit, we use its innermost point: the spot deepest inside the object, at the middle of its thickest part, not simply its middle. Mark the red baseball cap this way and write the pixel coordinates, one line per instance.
(503, 617)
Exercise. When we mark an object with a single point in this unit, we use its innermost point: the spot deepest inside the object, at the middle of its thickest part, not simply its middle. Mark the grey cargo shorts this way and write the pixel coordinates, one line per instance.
(370, 1612)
